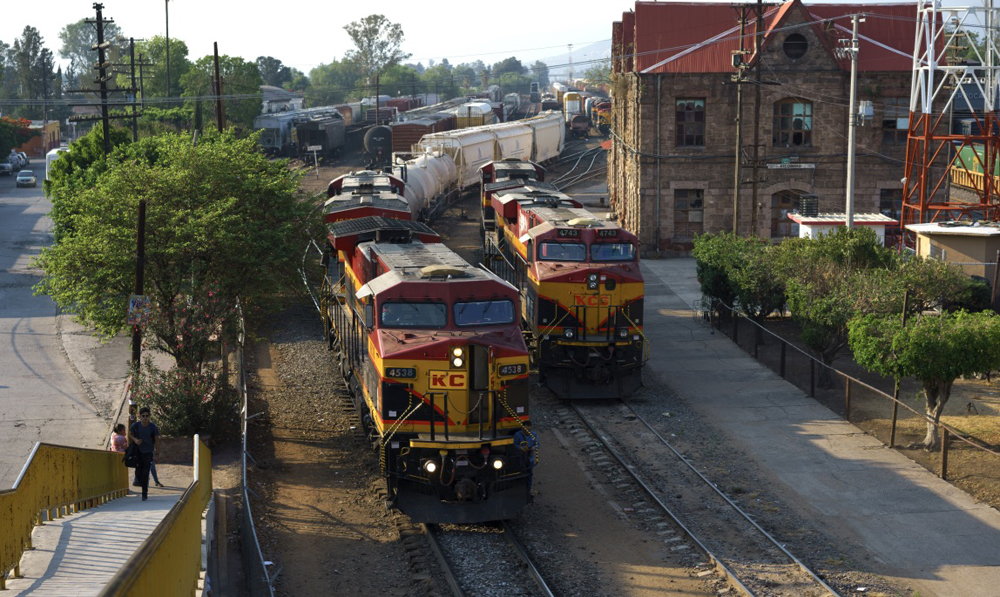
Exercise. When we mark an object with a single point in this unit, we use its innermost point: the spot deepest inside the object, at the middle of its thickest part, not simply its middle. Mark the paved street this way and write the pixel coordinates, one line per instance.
(41, 397)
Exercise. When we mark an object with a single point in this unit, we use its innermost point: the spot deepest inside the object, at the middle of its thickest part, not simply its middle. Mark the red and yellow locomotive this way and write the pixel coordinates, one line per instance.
(434, 359)
(581, 289)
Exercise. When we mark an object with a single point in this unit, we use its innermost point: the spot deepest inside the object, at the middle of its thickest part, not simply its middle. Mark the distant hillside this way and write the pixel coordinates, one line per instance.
(583, 58)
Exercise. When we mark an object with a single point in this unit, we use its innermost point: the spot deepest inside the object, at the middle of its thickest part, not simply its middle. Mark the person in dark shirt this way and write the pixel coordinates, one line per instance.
(144, 434)
(527, 441)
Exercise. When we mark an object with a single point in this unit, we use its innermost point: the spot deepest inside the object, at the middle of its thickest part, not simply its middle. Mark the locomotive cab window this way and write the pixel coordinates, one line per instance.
(551, 251)
(413, 315)
(484, 313)
(612, 252)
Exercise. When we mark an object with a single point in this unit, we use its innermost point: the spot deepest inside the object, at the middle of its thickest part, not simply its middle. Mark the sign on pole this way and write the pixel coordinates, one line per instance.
(138, 309)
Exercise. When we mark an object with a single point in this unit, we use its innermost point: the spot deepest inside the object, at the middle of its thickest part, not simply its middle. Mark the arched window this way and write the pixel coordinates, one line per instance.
(792, 123)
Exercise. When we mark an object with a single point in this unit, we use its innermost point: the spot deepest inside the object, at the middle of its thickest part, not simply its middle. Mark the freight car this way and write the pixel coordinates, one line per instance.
(534, 96)
(433, 358)
(580, 284)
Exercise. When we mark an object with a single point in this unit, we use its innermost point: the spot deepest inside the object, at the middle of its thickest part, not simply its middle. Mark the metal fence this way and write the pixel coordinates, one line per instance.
(259, 580)
(880, 413)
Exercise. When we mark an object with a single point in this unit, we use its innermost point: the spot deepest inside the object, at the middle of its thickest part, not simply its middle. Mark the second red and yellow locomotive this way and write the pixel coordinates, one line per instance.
(581, 288)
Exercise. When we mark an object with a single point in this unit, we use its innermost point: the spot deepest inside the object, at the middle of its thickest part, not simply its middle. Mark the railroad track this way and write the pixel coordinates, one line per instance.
(484, 560)
(703, 517)
(585, 167)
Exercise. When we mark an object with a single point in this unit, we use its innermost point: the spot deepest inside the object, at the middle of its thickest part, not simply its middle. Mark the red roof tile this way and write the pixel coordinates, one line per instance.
(687, 37)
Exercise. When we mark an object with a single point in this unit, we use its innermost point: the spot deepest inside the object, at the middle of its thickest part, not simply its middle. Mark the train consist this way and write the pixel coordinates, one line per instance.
(290, 133)
(579, 279)
(432, 353)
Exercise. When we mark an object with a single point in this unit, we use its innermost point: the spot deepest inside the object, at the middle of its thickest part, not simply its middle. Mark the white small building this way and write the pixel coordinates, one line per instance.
(823, 223)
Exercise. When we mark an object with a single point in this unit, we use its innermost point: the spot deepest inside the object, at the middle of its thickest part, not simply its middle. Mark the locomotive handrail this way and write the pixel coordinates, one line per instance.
(645, 340)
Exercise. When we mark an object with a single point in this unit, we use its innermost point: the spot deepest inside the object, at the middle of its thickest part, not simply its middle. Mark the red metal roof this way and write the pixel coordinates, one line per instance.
(688, 37)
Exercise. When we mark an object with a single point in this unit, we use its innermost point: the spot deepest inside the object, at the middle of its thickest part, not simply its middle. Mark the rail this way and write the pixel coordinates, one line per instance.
(55, 480)
(851, 384)
(259, 580)
(169, 561)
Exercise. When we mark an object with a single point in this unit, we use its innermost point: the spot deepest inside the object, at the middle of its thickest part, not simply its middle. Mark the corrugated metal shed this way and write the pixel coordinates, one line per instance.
(688, 37)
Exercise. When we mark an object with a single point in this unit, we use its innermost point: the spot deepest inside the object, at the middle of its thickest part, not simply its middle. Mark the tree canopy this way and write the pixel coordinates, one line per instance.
(78, 40)
(273, 72)
(935, 348)
(239, 77)
(222, 222)
(378, 41)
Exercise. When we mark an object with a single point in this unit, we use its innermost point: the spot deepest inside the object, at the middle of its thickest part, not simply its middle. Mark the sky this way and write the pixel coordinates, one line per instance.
(305, 34)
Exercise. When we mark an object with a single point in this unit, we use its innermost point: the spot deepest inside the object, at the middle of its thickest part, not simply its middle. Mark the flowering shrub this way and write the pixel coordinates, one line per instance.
(184, 402)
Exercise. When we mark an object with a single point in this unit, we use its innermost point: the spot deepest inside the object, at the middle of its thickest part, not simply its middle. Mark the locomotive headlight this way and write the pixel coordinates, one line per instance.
(498, 464)
(430, 466)
(569, 333)
(457, 356)
(592, 282)
(622, 333)
(457, 362)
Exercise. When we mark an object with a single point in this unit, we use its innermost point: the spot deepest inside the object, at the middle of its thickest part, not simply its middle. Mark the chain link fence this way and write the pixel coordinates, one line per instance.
(858, 396)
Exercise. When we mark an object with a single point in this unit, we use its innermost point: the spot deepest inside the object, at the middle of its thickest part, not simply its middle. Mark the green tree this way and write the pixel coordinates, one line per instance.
(35, 72)
(239, 78)
(831, 279)
(78, 40)
(223, 222)
(739, 272)
(333, 83)
(599, 73)
(154, 51)
(273, 72)
(377, 41)
(936, 349)
(77, 170)
(439, 79)
(399, 80)
(298, 82)
(508, 65)
(540, 73)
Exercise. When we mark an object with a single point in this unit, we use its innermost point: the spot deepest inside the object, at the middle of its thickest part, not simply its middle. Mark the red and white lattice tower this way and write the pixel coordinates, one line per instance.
(933, 153)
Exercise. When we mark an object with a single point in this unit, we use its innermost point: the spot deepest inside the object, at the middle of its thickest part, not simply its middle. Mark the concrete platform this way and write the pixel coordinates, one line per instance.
(77, 555)
(929, 534)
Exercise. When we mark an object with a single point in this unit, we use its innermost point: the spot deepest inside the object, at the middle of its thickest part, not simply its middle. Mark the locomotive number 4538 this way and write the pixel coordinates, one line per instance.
(517, 369)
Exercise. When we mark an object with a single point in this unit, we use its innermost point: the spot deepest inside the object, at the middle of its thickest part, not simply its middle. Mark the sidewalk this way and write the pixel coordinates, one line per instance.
(929, 534)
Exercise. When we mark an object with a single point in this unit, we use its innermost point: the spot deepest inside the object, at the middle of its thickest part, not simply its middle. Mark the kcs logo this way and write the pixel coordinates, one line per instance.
(448, 380)
(592, 300)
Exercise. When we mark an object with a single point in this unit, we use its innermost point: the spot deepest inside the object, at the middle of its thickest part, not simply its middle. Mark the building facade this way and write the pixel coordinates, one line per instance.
(672, 164)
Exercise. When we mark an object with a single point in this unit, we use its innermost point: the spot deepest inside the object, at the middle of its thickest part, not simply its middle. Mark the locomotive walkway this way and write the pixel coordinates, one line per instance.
(918, 528)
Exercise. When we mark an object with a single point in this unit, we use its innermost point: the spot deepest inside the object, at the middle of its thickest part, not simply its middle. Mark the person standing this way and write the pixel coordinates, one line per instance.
(119, 441)
(526, 440)
(144, 434)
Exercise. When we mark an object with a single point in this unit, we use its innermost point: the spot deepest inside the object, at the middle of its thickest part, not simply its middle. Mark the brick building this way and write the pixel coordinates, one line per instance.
(672, 160)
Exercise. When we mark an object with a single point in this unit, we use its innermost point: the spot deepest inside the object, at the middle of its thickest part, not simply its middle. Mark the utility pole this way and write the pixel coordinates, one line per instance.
(570, 48)
(758, 35)
(135, 119)
(220, 118)
(102, 75)
(739, 78)
(166, 4)
(849, 50)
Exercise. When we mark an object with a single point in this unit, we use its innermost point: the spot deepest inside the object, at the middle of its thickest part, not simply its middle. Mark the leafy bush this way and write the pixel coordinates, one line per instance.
(184, 403)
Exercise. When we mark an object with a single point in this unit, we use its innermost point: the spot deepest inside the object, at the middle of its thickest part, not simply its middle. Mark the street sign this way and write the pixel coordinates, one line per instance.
(792, 166)
(314, 148)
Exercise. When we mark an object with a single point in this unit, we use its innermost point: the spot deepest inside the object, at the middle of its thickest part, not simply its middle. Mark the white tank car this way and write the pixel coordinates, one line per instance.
(469, 148)
(513, 140)
(549, 136)
(430, 179)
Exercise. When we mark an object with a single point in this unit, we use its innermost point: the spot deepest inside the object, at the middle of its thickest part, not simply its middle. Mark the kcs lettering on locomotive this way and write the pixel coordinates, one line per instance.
(448, 380)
